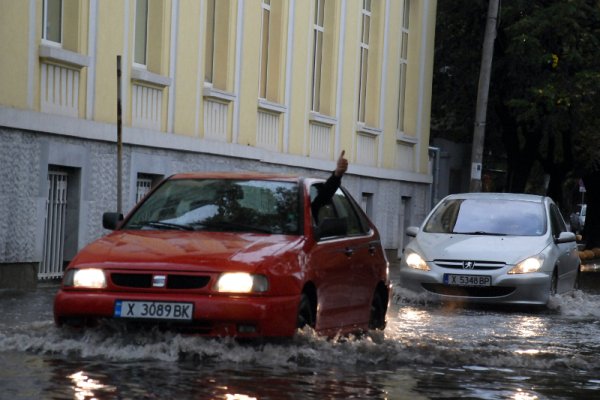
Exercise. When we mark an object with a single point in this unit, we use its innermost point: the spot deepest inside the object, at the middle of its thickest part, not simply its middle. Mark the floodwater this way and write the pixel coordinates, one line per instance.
(428, 351)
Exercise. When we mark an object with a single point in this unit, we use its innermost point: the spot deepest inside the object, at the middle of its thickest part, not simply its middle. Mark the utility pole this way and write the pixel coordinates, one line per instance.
(482, 95)
(119, 140)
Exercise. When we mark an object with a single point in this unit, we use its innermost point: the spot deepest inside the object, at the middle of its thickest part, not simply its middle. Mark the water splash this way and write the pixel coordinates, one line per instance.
(576, 304)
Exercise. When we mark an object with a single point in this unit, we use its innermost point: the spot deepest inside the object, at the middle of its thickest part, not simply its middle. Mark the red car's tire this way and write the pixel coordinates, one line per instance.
(306, 315)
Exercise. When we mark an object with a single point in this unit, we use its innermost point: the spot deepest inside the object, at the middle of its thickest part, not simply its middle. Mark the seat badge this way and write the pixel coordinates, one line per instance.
(159, 281)
(468, 264)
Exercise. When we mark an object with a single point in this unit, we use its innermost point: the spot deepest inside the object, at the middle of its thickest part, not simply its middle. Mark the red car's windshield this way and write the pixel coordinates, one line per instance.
(219, 204)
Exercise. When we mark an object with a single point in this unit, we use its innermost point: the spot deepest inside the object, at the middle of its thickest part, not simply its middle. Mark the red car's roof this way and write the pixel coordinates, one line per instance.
(236, 175)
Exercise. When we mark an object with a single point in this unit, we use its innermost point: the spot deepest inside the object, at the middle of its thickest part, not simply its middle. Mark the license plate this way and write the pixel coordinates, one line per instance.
(467, 280)
(154, 310)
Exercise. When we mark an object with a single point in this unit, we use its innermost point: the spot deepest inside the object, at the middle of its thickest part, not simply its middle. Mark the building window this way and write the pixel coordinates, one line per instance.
(219, 44)
(319, 31)
(52, 21)
(364, 58)
(366, 204)
(143, 185)
(141, 31)
(210, 42)
(264, 49)
(403, 65)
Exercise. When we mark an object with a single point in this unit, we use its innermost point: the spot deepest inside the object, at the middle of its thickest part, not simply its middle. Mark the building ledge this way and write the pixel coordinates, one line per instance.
(61, 56)
(146, 77)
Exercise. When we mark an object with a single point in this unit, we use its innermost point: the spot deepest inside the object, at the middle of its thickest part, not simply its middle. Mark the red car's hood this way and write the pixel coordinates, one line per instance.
(211, 251)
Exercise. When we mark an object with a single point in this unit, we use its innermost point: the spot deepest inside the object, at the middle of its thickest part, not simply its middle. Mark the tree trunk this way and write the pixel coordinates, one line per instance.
(591, 229)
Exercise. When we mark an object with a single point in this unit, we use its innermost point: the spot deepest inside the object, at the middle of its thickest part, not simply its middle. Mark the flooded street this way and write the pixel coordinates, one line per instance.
(428, 351)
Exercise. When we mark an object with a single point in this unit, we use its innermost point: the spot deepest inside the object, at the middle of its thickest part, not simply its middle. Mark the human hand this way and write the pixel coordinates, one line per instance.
(342, 165)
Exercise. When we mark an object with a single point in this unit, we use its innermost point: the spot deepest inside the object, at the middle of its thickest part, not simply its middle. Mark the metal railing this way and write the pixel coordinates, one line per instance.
(54, 229)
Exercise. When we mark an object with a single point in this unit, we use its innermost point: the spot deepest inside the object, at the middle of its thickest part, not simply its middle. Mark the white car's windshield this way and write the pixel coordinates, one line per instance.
(223, 205)
(488, 217)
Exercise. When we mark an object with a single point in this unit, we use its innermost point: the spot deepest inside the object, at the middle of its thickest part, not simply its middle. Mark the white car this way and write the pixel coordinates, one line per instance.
(496, 248)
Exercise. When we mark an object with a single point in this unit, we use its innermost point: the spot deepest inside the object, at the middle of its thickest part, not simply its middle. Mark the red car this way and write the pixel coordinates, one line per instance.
(225, 254)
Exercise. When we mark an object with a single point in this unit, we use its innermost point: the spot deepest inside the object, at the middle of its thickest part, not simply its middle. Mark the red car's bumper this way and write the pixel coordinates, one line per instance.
(238, 316)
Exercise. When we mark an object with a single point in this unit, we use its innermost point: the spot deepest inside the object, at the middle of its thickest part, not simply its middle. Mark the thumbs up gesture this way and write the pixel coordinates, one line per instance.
(342, 165)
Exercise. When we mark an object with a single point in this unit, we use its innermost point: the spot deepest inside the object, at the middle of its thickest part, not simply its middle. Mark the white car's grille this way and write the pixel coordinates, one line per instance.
(469, 264)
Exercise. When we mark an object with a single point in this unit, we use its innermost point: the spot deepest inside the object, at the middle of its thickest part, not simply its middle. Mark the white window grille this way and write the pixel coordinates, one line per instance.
(320, 141)
(318, 33)
(146, 107)
(59, 90)
(54, 226)
(142, 187)
(364, 59)
(267, 130)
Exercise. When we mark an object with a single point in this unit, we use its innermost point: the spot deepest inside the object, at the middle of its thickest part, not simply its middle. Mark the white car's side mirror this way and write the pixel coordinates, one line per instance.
(412, 231)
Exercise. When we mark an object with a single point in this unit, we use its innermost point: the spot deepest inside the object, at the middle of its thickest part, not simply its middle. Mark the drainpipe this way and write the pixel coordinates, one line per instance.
(119, 139)
(434, 152)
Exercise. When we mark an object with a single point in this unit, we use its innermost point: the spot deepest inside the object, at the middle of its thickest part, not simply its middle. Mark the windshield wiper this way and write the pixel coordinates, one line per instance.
(167, 225)
(484, 233)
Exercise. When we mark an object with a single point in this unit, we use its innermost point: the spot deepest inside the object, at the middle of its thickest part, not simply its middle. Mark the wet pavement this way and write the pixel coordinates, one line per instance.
(428, 351)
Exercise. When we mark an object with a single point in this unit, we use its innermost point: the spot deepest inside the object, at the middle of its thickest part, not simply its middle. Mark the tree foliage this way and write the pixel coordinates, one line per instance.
(544, 99)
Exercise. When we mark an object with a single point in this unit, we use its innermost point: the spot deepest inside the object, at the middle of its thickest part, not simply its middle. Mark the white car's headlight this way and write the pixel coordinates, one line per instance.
(242, 282)
(92, 278)
(531, 264)
(415, 261)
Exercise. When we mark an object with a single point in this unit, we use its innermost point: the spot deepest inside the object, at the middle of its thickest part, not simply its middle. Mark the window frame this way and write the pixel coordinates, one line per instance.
(343, 206)
(318, 28)
(403, 64)
(136, 43)
(263, 74)
(209, 42)
(45, 39)
(365, 36)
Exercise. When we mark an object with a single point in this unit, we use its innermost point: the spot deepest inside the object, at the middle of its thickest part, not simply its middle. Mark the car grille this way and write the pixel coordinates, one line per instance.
(174, 281)
(477, 265)
(489, 291)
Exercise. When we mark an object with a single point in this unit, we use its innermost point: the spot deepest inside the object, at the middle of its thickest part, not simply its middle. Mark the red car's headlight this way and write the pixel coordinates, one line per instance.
(91, 278)
(242, 282)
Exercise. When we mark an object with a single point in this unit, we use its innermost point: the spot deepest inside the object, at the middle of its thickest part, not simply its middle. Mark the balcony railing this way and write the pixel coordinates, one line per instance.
(320, 141)
(146, 107)
(267, 135)
(215, 119)
(59, 90)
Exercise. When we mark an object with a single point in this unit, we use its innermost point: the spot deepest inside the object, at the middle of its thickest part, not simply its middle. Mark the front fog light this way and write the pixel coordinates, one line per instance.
(531, 264)
(89, 278)
(241, 282)
(415, 261)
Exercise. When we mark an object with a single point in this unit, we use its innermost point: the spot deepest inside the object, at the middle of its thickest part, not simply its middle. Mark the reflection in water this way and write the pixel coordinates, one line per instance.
(520, 395)
(85, 387)
(239, 397)
(529, 326)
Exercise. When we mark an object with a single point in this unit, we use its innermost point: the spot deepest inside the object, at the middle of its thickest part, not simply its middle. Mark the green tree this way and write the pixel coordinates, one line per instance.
(544, 101)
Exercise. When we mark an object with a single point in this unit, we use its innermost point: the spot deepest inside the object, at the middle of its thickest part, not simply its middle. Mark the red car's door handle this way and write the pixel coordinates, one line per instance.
(372, 249)
(349, 252)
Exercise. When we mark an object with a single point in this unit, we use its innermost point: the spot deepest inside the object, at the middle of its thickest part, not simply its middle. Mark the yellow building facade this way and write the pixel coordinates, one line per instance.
(268, 85)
